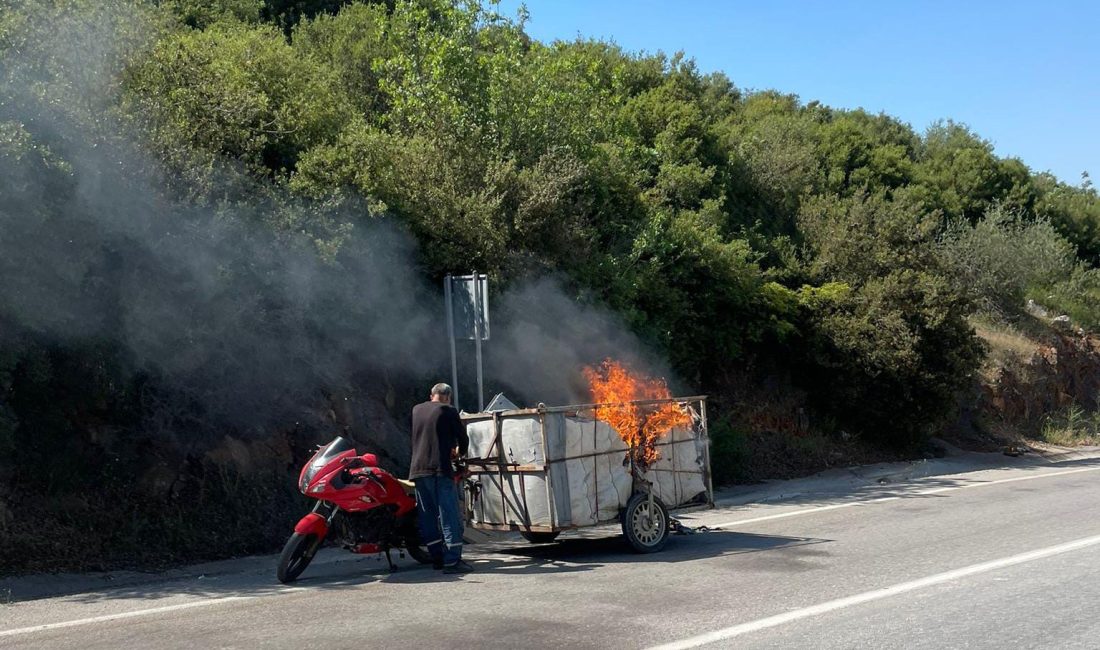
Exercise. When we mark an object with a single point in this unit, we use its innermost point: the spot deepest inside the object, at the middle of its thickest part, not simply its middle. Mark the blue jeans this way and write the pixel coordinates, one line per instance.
(440, 525)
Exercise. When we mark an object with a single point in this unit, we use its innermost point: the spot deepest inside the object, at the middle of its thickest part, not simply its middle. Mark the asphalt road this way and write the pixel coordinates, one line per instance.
(990, 559)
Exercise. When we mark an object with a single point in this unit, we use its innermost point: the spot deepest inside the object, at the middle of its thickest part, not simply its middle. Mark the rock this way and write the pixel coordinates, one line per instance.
(1035, 309)
(1062, 323)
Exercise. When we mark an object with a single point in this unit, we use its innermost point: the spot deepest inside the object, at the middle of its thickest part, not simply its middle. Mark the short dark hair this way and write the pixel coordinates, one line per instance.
(441, 389)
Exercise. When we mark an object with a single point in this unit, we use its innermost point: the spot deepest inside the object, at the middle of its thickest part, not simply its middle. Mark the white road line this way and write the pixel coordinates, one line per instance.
(868, 596)
(864, 502)
(115, 617)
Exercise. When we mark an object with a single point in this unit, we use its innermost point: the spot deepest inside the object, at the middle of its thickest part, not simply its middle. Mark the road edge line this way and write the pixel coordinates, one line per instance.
(121, 615)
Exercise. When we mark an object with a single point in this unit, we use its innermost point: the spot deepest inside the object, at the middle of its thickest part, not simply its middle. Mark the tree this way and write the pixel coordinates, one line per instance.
(237, 91)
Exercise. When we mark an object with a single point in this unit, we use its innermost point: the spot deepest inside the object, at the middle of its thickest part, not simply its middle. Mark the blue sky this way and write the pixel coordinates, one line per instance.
(1023, 75)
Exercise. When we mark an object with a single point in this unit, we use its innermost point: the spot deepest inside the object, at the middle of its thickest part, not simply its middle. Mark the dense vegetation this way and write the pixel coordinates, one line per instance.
(814, 269)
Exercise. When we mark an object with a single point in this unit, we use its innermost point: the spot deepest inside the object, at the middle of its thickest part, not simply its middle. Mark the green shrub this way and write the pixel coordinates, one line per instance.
(1072, 425)
(728, 451)
(1077, 296)
(239, 91)
(996, 260)
(890, 358)
(889, 348)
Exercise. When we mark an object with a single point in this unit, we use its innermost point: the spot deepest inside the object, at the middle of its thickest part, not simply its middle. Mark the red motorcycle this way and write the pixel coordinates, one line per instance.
(360, 505)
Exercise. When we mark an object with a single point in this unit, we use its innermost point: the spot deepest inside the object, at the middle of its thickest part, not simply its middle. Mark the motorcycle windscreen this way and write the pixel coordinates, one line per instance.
(324, 456)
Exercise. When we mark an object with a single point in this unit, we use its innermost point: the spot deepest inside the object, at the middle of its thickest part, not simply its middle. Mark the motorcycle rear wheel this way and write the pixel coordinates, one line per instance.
(416, 550)
(296, 556)
(420, 554)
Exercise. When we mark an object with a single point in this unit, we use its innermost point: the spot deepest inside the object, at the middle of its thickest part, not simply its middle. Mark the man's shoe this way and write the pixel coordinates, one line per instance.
(458, 567)
(437, 564)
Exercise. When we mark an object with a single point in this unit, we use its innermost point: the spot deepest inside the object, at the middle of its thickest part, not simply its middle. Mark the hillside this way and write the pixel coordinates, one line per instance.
(223, 224)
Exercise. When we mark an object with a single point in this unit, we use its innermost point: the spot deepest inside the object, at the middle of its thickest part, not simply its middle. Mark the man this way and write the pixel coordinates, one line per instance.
(437, 432)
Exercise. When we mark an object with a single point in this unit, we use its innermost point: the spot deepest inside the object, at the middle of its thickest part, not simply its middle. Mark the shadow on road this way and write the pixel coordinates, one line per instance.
(680, 548)
(568, 555)
(589, 552)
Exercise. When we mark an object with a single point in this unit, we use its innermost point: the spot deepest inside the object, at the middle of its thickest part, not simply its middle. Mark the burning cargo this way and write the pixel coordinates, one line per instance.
(544, 470)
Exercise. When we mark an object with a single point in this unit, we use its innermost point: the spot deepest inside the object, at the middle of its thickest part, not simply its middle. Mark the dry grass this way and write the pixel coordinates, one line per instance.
(1008, 346)
(1007, 341)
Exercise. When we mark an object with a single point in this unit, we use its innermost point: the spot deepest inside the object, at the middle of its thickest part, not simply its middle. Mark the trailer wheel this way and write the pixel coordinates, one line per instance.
(646, 531)
(536, 537)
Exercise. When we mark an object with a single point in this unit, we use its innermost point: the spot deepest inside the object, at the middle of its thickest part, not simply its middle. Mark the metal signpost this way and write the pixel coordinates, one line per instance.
(466, 300)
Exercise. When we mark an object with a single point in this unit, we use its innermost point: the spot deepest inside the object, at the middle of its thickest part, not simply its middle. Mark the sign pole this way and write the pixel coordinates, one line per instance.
(477, 340)
(448, 298)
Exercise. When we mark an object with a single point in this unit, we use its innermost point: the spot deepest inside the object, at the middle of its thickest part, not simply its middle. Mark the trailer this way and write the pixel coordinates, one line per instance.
(541, 471)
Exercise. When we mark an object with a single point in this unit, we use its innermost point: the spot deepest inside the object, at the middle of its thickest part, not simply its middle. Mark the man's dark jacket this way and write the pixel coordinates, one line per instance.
(436, 430)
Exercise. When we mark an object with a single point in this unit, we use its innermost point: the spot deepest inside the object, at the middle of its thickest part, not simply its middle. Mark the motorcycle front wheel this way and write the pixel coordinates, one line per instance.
(296, 556)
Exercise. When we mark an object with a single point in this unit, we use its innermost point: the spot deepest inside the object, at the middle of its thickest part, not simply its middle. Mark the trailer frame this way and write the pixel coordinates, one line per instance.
(495, 467)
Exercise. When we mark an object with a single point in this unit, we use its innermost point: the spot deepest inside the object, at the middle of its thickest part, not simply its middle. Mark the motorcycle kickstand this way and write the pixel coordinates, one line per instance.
(389, 560)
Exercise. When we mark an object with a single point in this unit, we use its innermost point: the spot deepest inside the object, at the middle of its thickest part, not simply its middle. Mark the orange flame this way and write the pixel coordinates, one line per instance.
(640, 427)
